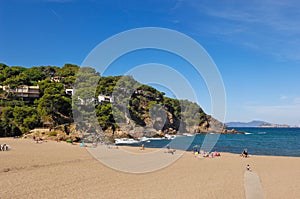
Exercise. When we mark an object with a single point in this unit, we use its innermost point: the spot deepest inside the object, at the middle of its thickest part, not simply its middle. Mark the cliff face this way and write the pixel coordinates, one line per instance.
(139, 110)
(211, 125)
(153, 115)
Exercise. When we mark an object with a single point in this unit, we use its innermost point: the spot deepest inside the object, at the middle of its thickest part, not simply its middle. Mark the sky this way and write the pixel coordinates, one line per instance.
(255, 44)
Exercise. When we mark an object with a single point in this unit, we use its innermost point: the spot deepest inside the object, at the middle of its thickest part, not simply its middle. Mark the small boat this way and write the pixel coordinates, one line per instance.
(126, 141)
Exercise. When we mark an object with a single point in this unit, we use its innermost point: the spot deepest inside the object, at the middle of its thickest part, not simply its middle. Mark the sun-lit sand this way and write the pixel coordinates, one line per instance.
(61, 170)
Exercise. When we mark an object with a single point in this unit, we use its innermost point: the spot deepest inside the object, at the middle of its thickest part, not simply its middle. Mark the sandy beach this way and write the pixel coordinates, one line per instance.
(61, 170)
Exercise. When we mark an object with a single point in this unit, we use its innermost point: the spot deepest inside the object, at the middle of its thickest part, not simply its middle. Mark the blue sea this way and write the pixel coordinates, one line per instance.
(258, 141)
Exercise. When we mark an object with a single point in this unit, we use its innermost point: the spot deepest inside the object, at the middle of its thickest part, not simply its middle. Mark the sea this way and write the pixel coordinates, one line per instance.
(258, 141)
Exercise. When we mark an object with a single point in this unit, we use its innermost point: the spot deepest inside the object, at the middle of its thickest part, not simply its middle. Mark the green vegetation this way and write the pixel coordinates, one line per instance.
(19, 115)
(53, 133)
(136, 104)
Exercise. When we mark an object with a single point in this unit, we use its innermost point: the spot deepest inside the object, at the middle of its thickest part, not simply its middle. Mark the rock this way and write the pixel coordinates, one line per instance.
(137, 132)
(150, 132)
(75, 137)
(160, 133)
(232, 131)
(109, 132)
(120, 134)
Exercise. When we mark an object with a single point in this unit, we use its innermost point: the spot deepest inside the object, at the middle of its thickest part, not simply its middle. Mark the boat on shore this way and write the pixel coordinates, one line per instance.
(126, 141)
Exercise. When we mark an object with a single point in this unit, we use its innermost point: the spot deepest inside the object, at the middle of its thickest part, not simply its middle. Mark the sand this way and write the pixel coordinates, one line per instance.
(253, 187)
(61, 170)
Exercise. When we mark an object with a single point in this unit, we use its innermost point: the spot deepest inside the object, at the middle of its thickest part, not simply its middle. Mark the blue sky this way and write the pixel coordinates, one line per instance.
(255, 44)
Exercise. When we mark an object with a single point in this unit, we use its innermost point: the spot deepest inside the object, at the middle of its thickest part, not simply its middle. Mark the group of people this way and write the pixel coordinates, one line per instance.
(205, 154)
(4, 147)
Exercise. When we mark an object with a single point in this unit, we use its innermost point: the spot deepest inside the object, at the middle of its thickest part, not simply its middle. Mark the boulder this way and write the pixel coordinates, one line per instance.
(137, 132)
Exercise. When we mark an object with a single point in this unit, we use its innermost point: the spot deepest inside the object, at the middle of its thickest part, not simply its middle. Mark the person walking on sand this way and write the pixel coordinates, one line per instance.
(248, 167)
(143, 147)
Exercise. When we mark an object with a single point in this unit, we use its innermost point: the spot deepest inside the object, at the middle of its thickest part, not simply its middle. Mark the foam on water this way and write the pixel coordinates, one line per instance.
(260, 133)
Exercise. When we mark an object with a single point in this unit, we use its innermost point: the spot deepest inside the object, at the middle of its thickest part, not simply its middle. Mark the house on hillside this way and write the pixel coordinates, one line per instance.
(87, 101)
(55, 79)
(105, 98)
(69, 91)
(24, 91)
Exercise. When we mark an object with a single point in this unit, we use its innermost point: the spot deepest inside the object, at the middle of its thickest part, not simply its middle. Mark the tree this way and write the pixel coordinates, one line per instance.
(84, 102)
(2, 75)
(54, 104)
(7, 124)
(68, 70)
(34, 75)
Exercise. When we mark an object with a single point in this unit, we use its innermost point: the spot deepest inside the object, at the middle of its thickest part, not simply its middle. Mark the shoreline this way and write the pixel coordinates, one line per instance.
(134, 146)
(222, 152)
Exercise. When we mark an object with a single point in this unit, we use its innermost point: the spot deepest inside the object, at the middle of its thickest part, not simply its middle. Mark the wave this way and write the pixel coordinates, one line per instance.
(246, 133)
(188, 134)
(170, 137)
(260, 133)
(143, 139)
(156, 138)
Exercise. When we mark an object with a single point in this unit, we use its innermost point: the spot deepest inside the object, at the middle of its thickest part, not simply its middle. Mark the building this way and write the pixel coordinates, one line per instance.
(105, 98)
(55, 79)
(87, 101)
(70, 91)
(24, 91)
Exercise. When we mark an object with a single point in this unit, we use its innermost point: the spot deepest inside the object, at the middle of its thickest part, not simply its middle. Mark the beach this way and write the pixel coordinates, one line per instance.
(62, 170)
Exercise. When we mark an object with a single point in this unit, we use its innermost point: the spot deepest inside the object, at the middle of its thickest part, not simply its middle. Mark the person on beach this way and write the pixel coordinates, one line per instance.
(245, 153)
(143, 147)
(206, 154)
(248, 167)
(169, 150)
(196, 154)
(3, 147)
(217, 154)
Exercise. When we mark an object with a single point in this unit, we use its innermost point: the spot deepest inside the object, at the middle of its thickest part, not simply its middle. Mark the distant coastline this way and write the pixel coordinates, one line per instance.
(257, 124)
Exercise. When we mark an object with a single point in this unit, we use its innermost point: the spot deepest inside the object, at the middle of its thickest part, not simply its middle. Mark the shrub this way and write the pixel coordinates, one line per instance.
(53, 133)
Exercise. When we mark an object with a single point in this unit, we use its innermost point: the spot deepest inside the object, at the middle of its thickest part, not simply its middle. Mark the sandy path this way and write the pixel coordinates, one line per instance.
(253, 188)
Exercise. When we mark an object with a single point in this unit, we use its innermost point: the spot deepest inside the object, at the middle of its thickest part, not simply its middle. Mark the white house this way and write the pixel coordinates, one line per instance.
(105, 98)
(55, 79)
(69, 91)
(24, 91)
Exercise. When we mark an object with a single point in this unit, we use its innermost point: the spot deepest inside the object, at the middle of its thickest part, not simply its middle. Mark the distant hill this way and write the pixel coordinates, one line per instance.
(254, 123)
